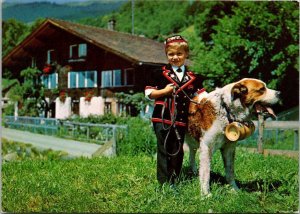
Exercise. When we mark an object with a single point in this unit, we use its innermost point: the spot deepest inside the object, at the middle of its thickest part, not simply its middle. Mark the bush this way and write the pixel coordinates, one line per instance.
(102, 119)
(9, 110)
(140, 138)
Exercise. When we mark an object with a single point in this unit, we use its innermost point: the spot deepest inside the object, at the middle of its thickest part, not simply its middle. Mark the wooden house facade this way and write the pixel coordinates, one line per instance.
(83, 66)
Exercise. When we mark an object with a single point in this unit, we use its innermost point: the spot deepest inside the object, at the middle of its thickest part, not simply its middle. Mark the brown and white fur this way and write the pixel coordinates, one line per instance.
(208, 119)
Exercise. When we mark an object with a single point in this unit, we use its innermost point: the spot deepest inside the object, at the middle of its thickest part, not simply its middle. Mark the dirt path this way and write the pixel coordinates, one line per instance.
(72, 147)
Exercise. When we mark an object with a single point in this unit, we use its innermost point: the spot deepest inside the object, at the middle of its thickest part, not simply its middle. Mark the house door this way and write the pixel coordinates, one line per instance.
(52, 110)
(75, 107)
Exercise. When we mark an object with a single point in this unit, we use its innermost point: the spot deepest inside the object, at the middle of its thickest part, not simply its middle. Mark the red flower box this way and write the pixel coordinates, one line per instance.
(62, 96)
(47, 69)
(88, 95)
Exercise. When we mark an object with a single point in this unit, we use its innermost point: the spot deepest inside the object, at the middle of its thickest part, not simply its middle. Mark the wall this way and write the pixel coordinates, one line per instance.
(94, 107)
(63, 109)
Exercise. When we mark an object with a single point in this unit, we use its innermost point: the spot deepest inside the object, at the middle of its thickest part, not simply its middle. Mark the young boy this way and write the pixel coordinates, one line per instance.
(172, 88)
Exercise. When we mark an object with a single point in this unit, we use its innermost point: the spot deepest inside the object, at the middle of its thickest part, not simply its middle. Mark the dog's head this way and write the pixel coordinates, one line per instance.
(255, 93)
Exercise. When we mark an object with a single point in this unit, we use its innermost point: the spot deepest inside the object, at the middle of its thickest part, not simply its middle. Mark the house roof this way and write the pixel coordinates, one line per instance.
(134, 48)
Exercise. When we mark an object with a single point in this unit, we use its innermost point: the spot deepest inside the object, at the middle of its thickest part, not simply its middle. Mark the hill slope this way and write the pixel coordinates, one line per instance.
(31, 11)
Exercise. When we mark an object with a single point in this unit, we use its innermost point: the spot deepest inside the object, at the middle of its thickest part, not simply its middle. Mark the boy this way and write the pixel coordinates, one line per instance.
(172, 89)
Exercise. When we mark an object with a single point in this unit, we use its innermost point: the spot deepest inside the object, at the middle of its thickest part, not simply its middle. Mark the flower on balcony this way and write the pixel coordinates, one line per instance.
(48, 68)
(62, 96)
(88, 95)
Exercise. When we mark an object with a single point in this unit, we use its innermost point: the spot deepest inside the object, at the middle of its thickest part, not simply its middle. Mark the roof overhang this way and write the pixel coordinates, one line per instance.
(51, 29)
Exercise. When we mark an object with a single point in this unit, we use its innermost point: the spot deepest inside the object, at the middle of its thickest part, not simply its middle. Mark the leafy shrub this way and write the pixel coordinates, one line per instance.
(8, 110)
(100, 119)
(140, 138)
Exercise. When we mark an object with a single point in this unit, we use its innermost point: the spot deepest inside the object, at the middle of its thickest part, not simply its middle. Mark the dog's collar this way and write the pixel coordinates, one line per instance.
(230, 117)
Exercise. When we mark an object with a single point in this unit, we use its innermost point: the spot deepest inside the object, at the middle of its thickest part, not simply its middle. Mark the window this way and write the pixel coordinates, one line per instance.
(106, 78)
(91, 79)
(82, 50)
(50, 56)
(117, 77)
(107, 108)
(72, 80)
(78, 51)
(50, 81)
(33, 62)
(74, 51)
(129, 76)
(123, 109)
(82, 79)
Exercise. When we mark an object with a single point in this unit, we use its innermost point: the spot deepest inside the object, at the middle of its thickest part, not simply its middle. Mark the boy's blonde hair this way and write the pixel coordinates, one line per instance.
(176, 41)
(182, 45)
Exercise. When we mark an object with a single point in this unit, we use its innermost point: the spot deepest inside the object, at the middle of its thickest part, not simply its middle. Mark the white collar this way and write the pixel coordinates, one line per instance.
(179, 74)
(176, 67)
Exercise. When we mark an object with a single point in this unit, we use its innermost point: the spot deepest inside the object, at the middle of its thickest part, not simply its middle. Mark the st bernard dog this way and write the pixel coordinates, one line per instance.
(210, 114)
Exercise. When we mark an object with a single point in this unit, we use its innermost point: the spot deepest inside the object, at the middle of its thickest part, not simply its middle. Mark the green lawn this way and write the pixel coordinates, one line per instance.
(128, 184)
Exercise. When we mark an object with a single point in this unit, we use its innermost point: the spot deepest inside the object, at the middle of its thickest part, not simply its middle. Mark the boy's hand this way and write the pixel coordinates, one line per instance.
(162, 92)
(169, 89)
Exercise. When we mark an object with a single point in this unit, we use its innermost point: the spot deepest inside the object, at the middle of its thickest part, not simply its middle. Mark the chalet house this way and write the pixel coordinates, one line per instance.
(83, 66)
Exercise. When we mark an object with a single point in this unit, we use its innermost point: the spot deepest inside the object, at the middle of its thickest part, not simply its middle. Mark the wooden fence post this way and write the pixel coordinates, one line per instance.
(260, 133)
(114, 144)
(88, 133)
(296, 139)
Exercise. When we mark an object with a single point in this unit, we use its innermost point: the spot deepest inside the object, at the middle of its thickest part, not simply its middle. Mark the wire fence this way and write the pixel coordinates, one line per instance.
(88, 132)
(274, 137)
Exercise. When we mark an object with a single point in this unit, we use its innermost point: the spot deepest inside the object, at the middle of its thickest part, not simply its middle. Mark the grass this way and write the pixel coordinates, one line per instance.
(128, 184)
(283, 140)
(15, 151)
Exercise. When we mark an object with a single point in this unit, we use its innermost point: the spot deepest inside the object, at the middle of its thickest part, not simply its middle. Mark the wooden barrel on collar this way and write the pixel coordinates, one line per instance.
(238, 131)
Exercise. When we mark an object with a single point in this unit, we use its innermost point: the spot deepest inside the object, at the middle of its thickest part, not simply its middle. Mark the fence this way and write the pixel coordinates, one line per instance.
(110, 134)
(40, 125)
(104, 134)
(97, 133)
(264, 131)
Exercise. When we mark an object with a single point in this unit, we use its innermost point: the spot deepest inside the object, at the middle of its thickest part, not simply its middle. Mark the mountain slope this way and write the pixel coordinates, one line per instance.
(31, 11)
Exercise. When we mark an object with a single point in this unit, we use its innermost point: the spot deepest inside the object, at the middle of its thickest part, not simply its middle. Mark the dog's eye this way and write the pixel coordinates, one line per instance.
(262, 89)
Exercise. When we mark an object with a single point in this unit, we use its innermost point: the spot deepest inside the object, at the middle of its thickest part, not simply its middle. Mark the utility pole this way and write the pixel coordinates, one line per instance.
(132, 17)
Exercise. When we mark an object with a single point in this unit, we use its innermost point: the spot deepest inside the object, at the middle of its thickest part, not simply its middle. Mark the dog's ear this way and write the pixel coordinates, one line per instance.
(238, 90)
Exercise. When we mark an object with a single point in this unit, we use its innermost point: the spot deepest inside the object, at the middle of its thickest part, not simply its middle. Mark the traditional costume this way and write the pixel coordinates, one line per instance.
(170, 117)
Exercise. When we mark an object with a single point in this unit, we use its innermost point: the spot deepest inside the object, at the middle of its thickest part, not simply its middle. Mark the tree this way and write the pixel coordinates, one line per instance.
(153, 19)
(249, 39)
(29, 94)
(13, 33)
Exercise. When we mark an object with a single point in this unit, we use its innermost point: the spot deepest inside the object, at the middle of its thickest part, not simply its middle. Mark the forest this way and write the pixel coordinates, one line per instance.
(229, 40)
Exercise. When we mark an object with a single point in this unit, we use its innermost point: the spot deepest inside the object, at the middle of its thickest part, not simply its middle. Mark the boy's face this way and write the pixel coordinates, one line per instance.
(176, 55)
